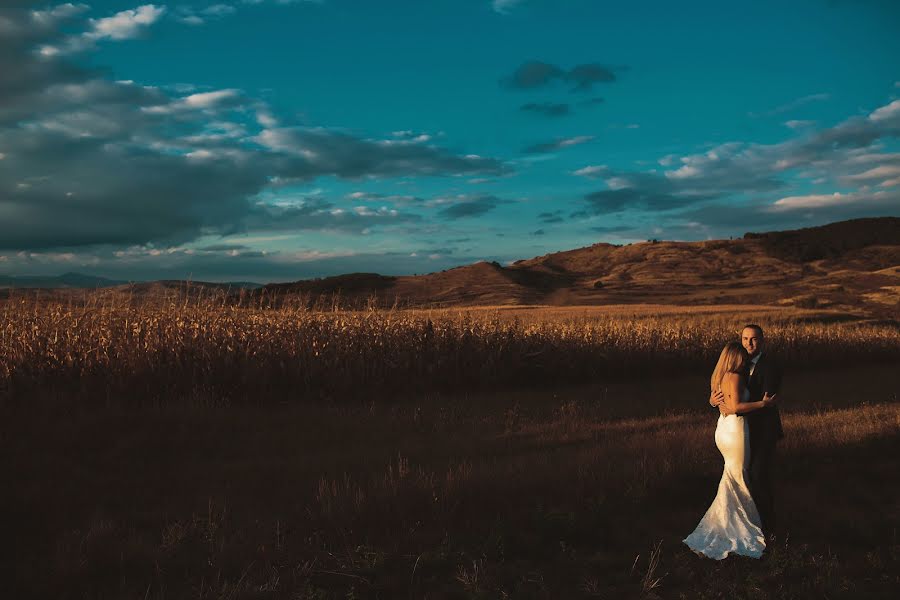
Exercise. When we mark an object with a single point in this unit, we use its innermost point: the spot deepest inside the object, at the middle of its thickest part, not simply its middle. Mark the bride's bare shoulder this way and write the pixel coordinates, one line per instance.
(731, 379)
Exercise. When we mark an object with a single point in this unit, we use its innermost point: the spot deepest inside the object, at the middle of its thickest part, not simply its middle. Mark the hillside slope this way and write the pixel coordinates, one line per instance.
(849, 265)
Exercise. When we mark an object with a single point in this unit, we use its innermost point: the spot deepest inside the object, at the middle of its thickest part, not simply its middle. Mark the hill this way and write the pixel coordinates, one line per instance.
(848, 265)
(66, 280)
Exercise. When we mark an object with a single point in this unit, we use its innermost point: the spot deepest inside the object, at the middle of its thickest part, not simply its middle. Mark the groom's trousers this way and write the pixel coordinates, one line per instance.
(762, 463)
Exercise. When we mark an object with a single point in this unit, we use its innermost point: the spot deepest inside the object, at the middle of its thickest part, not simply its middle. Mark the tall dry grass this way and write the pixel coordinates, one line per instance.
(209, 352)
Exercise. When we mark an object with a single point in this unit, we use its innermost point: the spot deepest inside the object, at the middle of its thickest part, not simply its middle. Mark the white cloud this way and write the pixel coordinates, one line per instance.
(344, 155)
(218, 131)
(618, 183)
(200, 155)
(310, 255)
(886, 113)
(218, 9)
(865, 158)
(198, 16)
(409, 137)
(419, 139)
(812, 201)
(365, 211)
(881, 172)
(574, 141)
(798, 124)
(840, 205)
(125, 24)
(591, 171)
(191, 20)
(209, 99)
(504, 6)
(265, 118)
(684, 172)
(201, 101)
(49, 18)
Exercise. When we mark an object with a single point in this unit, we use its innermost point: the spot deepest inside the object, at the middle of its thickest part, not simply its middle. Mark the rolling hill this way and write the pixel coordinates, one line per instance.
(849, 265)
(66, 280)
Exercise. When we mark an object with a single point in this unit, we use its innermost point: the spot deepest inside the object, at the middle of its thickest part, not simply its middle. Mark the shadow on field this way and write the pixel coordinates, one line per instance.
(579, 492)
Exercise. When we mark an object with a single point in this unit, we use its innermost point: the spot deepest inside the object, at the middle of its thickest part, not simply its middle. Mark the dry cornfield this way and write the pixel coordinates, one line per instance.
(208, 353)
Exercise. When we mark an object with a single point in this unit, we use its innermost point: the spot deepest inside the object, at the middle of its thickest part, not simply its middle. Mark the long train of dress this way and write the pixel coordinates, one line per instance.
(732, 523)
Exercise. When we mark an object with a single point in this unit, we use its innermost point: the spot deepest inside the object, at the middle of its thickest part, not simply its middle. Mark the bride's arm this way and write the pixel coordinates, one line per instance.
(745, 407)
(732, 387)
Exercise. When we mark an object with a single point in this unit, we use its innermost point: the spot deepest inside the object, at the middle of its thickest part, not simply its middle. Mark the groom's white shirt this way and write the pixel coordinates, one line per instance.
(754, 361)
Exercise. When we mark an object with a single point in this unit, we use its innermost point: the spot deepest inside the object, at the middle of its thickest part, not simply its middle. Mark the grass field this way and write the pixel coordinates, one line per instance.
(198, 353)
(485, 488)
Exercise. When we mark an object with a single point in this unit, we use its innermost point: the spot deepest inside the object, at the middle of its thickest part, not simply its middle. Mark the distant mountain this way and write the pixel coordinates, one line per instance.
(182, 286)
(81, 281)
(66, 280)
(848, 265)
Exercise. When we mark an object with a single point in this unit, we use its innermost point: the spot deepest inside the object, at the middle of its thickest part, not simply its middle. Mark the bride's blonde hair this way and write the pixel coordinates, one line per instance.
(732, 360)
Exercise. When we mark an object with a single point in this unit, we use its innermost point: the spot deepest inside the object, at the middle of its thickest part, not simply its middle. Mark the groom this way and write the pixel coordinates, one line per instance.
(763, 377)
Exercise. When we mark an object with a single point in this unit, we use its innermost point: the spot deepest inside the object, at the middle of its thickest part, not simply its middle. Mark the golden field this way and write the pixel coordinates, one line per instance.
(195, 450)
(195, 351)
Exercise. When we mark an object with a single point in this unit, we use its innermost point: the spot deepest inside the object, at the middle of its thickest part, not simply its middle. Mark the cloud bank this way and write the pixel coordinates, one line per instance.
(86, 161)
(740, 184)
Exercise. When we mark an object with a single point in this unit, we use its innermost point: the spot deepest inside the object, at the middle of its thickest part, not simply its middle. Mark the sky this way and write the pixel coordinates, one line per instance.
(276, 140)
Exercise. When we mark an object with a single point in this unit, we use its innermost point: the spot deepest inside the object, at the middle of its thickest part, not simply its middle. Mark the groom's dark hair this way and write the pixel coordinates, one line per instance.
(754, 326)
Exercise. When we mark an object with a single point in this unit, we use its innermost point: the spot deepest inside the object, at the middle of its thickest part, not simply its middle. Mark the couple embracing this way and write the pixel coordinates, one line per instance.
(744, 387)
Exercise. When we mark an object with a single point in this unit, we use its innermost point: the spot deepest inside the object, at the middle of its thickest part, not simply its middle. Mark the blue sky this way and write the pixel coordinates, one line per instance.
(273, 140)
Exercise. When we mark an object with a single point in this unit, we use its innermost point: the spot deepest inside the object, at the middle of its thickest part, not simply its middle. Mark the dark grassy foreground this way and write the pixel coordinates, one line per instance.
(581, 492)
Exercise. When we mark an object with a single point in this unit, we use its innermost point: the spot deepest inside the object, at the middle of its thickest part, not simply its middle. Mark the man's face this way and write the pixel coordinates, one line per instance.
(752, 340)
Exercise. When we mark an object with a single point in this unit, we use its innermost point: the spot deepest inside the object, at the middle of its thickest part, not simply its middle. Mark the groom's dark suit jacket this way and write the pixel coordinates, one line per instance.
(765, 423)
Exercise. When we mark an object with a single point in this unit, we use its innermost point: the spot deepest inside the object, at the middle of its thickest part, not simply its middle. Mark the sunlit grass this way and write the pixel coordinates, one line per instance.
(203, 352)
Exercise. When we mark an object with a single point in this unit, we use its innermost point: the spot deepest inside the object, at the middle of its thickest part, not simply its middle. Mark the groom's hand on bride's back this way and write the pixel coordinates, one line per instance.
(716, 398)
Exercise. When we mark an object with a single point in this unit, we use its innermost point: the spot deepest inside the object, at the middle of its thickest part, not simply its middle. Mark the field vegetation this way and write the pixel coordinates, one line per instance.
(186, 449)
(195, 351)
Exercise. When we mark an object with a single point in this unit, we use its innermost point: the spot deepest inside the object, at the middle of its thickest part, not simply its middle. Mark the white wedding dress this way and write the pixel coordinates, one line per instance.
(732, 523)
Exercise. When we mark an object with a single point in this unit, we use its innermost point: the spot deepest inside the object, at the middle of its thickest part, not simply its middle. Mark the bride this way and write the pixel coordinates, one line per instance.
(732, 523)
